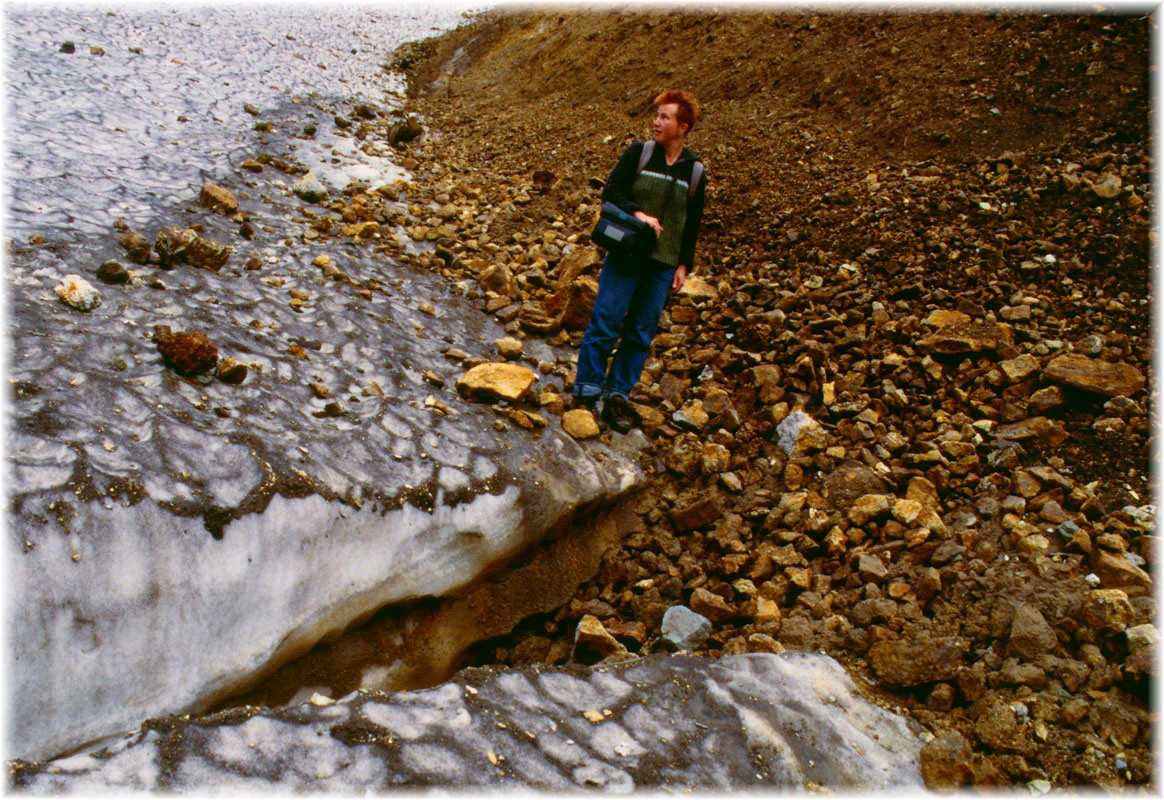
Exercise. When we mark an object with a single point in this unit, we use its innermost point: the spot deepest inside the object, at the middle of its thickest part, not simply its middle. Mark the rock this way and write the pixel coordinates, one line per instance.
(232, 371)
(1116, 571)
(699, 290)
(1019, 369)
(1142, 640)
(68, 48)
(571, 304)
(871, 568)
(1014, 673)
(1051, 431)
(1030, 635)
(406, 130)
(910, 661)
(969, 337)
(176, 246)
(217, 199)
(711, 605)
(945, 318)
(650, 419)
(509, 348)
(188, 353)
(1107, 609)
(715, 459)
(75, 291)
(112, 273)
(498, 279)
(137, 247)
(366, 111)
(1123, 407)
(361, 230)
(850, 480)
(580, 424)
(683, 629)
(1110, 425)
(593, 644)
(691, 417)
(870, 506)
(767, 611)
(573, 265)
(767, 378)
(309, 188)
(490, 382)
(1109, 187)
(1046, 399)
(685, 456)
(799, 434)
(1001, 728)
(947, 762)
(695, 515)
(1091, 375)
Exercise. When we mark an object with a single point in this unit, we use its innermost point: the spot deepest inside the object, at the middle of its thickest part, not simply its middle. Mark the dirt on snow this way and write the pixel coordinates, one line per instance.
(932, 233)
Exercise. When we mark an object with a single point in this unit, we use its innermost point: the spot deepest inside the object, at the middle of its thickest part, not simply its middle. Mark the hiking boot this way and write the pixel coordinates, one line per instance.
(588, 403)
(617, 414)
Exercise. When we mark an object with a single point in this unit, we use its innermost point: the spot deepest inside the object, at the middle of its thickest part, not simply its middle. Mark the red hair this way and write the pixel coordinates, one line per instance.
(688, 106)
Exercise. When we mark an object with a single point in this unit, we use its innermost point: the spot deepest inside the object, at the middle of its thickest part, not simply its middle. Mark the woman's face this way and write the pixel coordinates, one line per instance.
(666, 126)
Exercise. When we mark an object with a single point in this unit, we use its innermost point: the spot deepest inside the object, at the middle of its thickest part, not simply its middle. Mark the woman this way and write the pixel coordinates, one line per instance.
(631, 296)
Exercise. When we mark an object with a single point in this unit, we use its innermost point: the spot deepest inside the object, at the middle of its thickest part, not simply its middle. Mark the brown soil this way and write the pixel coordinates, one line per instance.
(943, 157)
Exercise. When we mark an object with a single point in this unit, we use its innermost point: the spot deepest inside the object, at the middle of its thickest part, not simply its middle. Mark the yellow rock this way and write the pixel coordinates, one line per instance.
(496, 381)
(580, 424)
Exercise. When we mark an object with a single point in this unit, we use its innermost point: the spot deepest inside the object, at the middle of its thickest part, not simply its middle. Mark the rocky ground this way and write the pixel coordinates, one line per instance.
(929, 233)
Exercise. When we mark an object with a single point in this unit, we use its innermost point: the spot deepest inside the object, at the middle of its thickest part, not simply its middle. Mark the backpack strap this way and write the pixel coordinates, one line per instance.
(696, 176)
(648, 149)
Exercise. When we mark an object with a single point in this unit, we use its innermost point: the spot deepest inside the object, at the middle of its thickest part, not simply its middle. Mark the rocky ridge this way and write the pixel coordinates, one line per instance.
(933, 244)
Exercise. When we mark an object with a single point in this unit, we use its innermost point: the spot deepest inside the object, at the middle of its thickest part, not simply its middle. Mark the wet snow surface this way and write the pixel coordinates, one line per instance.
(791, 721)
(101, 138)
(93, 138)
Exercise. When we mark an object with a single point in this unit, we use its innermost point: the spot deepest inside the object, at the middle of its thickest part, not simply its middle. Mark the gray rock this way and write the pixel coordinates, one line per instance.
(683, 629)
(758, 722)
(310, 188)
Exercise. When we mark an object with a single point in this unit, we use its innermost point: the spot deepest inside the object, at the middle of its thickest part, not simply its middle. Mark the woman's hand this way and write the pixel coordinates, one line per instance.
(657, 226)
(679, 278)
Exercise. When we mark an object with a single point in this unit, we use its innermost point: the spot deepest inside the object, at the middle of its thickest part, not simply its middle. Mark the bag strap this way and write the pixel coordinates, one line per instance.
(696, 175)
(645, 156)
(696, 169)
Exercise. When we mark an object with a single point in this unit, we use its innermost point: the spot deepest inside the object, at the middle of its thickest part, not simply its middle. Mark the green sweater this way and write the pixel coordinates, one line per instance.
(661, 190)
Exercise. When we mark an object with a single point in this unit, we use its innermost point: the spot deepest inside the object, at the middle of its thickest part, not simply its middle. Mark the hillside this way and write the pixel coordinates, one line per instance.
(930, 232)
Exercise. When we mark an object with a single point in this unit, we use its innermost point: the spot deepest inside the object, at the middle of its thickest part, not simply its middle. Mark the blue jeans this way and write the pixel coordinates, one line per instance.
(626, 310)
